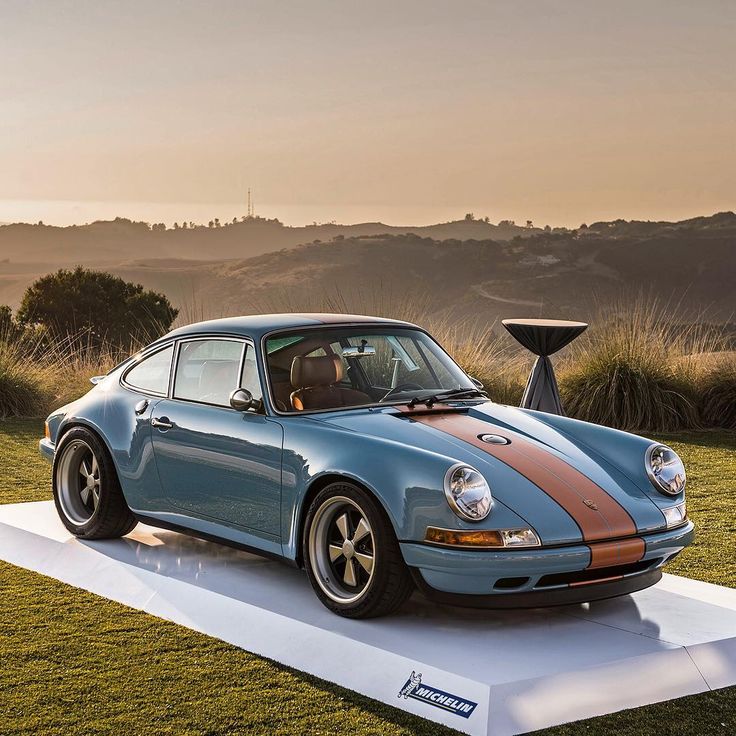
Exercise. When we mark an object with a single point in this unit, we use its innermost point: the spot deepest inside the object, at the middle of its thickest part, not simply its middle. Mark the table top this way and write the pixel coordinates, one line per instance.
(544, 336)
(544, 323)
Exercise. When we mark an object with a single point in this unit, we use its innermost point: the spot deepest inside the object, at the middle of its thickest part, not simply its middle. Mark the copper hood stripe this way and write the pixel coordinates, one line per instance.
(598, 514)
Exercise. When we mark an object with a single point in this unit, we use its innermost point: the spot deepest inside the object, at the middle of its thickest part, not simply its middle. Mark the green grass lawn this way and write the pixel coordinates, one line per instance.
(74, 663)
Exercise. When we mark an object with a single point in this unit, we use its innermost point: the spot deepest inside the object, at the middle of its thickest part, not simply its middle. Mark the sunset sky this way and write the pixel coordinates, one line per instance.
(404, 111)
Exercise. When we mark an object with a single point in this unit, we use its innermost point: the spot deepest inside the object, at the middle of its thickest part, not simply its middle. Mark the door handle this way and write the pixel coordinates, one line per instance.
(162, 423)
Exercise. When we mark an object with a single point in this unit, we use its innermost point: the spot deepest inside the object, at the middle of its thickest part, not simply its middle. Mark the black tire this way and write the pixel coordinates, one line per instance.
(389, 584)
(109, 515)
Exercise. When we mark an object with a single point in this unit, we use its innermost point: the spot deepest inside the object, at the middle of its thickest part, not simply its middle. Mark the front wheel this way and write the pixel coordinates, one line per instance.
(351, 554)
(87, 492)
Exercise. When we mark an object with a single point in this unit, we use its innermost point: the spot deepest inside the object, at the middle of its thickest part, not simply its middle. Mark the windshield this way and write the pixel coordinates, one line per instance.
(342, 367)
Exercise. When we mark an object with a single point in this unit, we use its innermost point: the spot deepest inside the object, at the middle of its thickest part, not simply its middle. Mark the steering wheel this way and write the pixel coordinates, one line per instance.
(403, 387)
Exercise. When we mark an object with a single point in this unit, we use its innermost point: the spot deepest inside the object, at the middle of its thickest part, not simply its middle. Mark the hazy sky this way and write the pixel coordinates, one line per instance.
(560, 112)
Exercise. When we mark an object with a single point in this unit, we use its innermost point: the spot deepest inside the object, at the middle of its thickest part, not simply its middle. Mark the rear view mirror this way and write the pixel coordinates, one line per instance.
(358, 352)
(242, 400)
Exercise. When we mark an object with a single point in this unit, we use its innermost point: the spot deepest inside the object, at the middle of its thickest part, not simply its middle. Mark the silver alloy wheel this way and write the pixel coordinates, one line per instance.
(78, 482)
(342, 549)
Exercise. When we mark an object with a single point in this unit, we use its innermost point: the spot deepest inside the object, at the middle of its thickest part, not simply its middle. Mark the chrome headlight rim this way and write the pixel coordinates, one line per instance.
(452, 501)
(655, 480)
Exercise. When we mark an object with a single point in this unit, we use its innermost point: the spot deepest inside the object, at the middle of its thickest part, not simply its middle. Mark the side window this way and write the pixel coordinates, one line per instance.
(152, 373)
(208, 370)
(250, 379)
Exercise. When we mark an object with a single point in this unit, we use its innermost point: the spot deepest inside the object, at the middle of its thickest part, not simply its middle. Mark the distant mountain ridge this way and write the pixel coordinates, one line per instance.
(561, 273)
(111, 240)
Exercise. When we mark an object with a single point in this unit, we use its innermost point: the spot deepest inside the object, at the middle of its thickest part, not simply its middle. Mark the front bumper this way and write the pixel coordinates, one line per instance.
(538, 576)
(46, 449)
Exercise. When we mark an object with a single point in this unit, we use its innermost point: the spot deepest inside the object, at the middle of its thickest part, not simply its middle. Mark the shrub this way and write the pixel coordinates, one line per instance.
(627, 372)
(717, 393)
(24, 377)
(98, 304)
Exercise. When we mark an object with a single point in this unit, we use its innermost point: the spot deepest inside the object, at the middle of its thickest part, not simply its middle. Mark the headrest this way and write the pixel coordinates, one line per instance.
(317, 371)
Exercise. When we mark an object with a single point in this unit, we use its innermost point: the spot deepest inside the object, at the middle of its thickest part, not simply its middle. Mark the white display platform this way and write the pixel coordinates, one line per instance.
(524, 670)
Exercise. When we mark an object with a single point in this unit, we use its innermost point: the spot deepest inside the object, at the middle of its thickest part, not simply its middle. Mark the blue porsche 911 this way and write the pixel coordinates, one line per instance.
(357, 448)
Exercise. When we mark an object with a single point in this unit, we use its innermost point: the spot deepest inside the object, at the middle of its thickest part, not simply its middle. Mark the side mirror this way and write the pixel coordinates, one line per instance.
(242, 400)
(477, 383)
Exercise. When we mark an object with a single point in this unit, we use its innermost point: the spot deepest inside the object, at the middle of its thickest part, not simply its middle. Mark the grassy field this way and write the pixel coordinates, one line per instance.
(74, 663)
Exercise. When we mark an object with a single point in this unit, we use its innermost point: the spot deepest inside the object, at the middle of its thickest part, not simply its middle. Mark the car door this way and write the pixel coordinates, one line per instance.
(215, 462)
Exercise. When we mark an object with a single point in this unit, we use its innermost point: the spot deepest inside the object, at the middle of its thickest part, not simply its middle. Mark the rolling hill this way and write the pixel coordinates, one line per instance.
(691, 264)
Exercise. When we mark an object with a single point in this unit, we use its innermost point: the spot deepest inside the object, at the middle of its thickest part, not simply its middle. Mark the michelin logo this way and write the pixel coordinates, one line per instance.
(413, 688)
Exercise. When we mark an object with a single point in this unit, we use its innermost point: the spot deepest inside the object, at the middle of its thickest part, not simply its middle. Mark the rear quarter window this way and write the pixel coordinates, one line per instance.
(151, 375)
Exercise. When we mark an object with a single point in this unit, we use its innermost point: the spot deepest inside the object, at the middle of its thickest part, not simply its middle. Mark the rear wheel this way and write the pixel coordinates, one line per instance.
(351, 554)
(87, 492)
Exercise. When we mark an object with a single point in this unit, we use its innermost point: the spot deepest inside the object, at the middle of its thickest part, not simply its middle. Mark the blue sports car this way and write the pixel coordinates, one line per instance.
(356, 448)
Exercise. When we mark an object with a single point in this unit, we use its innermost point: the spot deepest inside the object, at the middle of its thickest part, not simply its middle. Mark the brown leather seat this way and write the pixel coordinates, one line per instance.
(314, 380)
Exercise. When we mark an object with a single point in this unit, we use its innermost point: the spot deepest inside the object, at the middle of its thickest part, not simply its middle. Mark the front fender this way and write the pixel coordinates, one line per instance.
(407, 481)
(622, 450)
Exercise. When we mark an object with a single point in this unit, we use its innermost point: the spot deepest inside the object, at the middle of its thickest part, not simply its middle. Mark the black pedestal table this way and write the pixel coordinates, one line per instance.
(543, 337)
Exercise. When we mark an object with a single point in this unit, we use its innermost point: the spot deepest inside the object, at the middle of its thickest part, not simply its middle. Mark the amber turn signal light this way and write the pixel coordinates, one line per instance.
(455, 538)
(46, 431)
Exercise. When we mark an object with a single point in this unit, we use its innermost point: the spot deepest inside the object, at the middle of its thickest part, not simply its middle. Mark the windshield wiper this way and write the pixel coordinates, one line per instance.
(453, 393)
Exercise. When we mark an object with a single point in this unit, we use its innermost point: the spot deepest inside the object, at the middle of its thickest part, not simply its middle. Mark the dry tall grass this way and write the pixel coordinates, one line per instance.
(27, 369)
(38, 374)
(717, 390)
(637, 368)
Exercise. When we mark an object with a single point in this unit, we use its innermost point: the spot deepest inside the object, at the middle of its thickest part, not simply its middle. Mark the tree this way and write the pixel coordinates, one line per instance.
(469, 217)
(96, 305)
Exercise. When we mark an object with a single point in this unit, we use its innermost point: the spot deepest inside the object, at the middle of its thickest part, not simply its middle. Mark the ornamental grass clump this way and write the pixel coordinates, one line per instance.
(25, 375)
(627, 372)
(717, 393)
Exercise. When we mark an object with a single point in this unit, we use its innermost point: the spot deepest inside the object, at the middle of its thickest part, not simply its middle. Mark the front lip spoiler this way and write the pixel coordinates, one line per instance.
(542, 598)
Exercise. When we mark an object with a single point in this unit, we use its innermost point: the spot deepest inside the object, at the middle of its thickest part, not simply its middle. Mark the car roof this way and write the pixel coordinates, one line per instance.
(256, 326)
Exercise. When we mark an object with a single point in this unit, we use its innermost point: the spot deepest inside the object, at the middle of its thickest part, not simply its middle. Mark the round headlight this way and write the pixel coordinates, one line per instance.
(468, 493)
(665, 470)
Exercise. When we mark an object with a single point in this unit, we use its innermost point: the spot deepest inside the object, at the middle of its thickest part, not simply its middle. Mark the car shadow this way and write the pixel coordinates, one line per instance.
(424, 631)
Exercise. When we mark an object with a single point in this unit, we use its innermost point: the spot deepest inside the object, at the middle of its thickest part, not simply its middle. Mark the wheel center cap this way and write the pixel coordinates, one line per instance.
(90, 481)
(347, 549)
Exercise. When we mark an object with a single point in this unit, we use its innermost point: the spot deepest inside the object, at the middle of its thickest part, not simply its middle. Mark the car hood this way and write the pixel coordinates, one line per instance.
(564, 488)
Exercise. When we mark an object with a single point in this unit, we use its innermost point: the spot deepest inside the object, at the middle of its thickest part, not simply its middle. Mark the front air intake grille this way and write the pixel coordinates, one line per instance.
(510, 583)
(580, 577)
